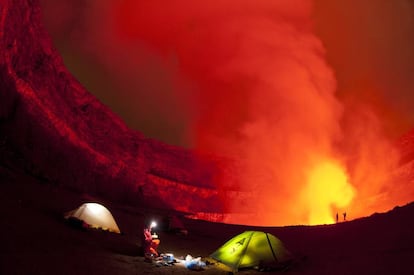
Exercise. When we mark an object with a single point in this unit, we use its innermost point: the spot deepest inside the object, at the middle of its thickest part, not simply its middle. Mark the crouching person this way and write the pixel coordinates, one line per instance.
(150, 241)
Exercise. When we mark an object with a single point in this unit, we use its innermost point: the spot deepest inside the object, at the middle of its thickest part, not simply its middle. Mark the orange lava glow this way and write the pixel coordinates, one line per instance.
(328, 189)
(259, 89)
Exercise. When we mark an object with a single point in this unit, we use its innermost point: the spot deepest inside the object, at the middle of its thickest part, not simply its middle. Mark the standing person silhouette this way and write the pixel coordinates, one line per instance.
(337, 218)
(344, 214)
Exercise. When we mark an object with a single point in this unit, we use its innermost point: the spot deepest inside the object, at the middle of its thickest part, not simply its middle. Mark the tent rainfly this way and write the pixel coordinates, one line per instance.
(94, 215)
(252, 249)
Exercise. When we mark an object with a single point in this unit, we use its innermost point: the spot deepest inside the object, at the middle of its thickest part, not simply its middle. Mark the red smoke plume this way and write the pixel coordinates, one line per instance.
(245, 79)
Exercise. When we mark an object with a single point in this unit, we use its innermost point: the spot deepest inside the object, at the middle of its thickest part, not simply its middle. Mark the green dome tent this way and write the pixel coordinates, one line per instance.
(251, 249)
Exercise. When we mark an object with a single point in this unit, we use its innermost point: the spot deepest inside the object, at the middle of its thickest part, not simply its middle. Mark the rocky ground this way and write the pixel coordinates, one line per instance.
(35, 239)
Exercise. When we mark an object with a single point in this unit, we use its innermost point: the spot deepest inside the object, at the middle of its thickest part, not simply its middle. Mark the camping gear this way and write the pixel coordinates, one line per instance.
(164, 260)
(168, 257)
(252, 249)
(94, 215)
(194, 263)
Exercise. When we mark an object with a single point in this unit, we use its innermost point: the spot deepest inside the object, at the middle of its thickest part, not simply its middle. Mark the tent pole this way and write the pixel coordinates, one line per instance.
(271, 248)
(244, 251)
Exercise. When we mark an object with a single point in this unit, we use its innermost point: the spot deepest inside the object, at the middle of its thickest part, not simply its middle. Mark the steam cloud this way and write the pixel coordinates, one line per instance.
(250, 79)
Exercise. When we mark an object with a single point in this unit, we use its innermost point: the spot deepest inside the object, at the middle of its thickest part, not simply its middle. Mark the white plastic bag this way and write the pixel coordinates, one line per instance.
(194, 263)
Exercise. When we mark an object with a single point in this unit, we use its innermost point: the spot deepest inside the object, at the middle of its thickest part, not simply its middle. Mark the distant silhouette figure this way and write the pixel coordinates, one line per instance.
(344, 214)
(337, 217)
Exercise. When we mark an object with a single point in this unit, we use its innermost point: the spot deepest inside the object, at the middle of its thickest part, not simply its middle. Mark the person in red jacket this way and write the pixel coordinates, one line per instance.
(150, 241)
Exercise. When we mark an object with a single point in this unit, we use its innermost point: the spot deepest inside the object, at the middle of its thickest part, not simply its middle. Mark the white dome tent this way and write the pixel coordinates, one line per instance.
(94, 215)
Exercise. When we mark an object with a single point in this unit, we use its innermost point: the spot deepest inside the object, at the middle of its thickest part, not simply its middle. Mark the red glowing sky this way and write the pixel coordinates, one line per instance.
(290, 87)
(368, 47)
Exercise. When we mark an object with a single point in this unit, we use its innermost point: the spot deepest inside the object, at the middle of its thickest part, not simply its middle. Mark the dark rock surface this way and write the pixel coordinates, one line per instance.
(56, 130)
